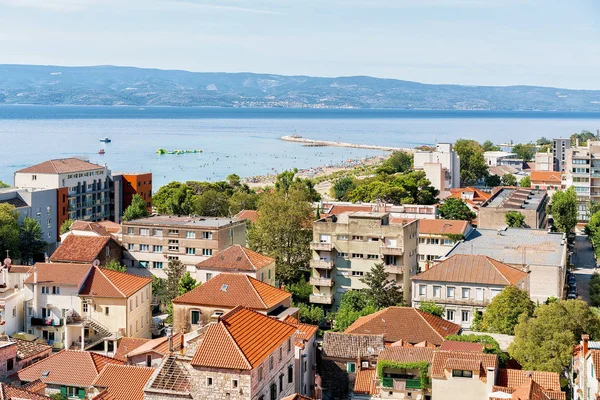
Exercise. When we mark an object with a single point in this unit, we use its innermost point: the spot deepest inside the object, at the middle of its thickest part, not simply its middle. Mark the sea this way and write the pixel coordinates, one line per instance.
(247, 141)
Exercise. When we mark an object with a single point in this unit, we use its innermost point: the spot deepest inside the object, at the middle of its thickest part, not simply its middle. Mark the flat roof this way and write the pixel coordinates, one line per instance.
(526, 199)
(208, 222)
(498, 153)
(517, 246)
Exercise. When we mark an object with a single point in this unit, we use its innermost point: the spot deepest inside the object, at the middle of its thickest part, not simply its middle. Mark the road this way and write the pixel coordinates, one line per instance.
(584, 262)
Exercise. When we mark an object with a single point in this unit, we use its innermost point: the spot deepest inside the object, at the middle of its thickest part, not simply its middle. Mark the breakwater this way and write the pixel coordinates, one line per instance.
(315, 143)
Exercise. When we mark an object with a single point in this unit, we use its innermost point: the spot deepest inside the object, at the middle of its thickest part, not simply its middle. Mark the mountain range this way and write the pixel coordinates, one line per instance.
(111, 85)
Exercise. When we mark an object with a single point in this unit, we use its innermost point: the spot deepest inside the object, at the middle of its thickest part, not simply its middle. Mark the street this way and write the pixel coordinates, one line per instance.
(584, 262)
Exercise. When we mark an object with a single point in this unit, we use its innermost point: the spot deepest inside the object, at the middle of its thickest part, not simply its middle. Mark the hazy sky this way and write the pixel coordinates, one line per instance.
(473, 42)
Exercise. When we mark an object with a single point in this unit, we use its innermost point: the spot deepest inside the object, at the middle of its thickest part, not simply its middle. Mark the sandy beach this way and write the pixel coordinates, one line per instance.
(324, 143)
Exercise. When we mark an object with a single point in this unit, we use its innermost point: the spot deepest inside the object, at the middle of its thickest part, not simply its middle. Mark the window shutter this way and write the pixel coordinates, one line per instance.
(81, 394)
(63, 390)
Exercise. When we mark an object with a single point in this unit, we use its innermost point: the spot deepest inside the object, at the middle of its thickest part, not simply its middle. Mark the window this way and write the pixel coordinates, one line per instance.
(350, 367)
(357, 255)
(157, 248)
(190, 251)
(173, 245)
(437, 290)
(207, 235)
(85, 307)
(291, 373)
(195, 317)
(130, 246)
(234, 383)
(461, 373)
(71, 391)
(448, 242)
(466, 293)
(422, 290)
(495, 292)
(208, 276)
(280, 383)
(271, 363)
(136, 326)
(130, 231)
(44, 289)
(106, 310)
(465, 316)
(357, 273)
(190, 235)
(342, 237)
(10, 364)
(14, 311)
(34, 177)
(207, 252)
(144, 232)
(260, 374)
(130, 304)
(342, 255)
(289, 345)
(49, 223)
(136, 302)
(450, 292)
(450, 315)
(280, 354)
(173, 232)
(360, 238)
(148, 360)
(372, 256)
(479, 294)
(209, 381)
(144, 247)
(157, 232)
(269, 272)
(55, 289)
(157, 264)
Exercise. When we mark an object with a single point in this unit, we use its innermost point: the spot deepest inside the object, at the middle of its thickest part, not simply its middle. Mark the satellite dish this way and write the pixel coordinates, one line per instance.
(7, 261)
(96, 263)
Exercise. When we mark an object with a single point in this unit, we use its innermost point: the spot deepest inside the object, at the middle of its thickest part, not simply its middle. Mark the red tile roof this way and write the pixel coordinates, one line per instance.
(407, 354)
(82, 249)
(443, 359)
(110, 226)
(241, 339)
(513, 378)
(405, 323)
(159, 345)
(60, 273)
(550, 177)
(103, 282)
(472, 268)
(451, 345)
(67, 367)
(249, 215)
(20, 393)
(442, 226)
(127, 345)
(529, 390)
(236, 258)
(61, 166)
(365, 382)
(230, 290)
(88, 226)
(124, 382)
(305, 331)
(34, 386)
(479, 196)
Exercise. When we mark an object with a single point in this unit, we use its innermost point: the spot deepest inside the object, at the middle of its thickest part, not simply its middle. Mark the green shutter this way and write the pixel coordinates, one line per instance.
(63, 390)
(81, 393)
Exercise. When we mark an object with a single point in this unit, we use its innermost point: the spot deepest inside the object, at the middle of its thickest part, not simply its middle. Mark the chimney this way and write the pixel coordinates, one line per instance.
(170, 336)
(584, 341)
(46, 258)
(576, 142)
(35, 274)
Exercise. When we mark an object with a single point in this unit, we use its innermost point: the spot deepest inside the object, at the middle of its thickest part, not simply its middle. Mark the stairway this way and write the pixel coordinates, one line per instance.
(101, 332)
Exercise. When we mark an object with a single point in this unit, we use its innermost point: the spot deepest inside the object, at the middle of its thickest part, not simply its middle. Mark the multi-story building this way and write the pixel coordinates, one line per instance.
(464, 285)
(83, 188)
(585, 366)
(560, 148)
(152, 242)
(348, 245)
(530, 203)
(441, 166)
(238, 260)
(128, 185)
(582, 171)
(404, 211)
(437, 237)
(12, 295)
(544, 162)
(546, 180)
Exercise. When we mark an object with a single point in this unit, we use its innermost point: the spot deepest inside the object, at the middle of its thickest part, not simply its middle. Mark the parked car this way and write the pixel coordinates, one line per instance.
(572, 280)
(571, 296)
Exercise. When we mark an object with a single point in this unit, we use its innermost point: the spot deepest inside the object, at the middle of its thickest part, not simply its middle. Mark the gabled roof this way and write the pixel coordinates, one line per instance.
(365, 381)
(110, 226)
(60, 166)
(159, 345)
(89, 226)
(443, 359)
(478, 195)
(407, 354)
(241, 339)
(545, 177)
(27, 349)
(305, 331)
(9, 392)
(472, 268)
(124, 382)
(230, 290)
(442, 226)
(513, 378)
(351, 346)
(67, 367)
(60, 273)
(452, 345)
(236, 258)
(405, 323)
(529, 390)
(127, 345)
(249, 215)
(103, 282)
(81, 249)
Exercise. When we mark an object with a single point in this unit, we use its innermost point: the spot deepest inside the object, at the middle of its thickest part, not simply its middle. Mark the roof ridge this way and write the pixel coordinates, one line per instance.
(250, 279)
(243, 249)
(106, 358)
(230, 336)
(364, 319)
(110, 281)
(421, 314)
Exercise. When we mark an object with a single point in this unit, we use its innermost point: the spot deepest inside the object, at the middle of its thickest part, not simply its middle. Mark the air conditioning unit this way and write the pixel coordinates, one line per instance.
(364, 364)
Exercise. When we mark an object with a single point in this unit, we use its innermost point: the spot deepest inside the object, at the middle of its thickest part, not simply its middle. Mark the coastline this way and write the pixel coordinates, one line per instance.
(325, 143)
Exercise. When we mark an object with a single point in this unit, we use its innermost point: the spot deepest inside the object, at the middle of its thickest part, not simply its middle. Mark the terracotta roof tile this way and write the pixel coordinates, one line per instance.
(365, 382)
(442, 226)
(595, 354)
(545, 177)
(305, 331)
(159, 345)
(61, 166)
(19, 269)
(27, 349)
(479, 196)
(529, 390)
(82, 249)
(512, 378)
(236, 258)
(124, 382)
(60, 273)
(407, 354)
(451, 345)
(351, 346)
(20, 393)
(127, 345)
(241, 340)
(104, 282)
(472, 268)
(88, 226)
(460, 360)
(34, 386)
(110, 226)
(462, 363)
(249, 215)
(67, 367)
(103, 395)
(405, 323)
(127, 283)
(230, 290)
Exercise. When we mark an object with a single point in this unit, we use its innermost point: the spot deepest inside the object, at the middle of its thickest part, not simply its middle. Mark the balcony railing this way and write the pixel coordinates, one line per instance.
(321, 264)
(321, 281)
(401, 384)
(391, 251)
(319, 246)
(321, 298)
(46, 322)
(394, 269)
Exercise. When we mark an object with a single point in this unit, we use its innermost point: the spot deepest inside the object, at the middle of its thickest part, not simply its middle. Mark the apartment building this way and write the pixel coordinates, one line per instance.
(544, 162)
(560, 149)
(437, 237)
(152, 242)
(239, 260)
(531, 203)
(441, 166)
(582, 171)
(546, 180)
(348, 245)
(404, 211)
(584, 370)
(128, 185)
(12, 296)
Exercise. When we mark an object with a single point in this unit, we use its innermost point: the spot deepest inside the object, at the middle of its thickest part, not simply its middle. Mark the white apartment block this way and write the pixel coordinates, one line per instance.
(582, 171)
(441, 166)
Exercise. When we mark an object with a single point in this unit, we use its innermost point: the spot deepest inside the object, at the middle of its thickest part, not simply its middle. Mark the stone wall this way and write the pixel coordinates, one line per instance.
(7, 351)
(222, 384)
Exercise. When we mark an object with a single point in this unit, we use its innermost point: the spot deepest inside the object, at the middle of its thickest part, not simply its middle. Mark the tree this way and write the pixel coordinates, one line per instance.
(186, 283)
(514, 219)
(472, 163)
(399, 161)
(383, 292)
(545, 341)
(116, 266)
(175, 271)
(9, 231)
(583, 137)
(136, 210)
(502, 314)
(489, 146)
(592, 229)
(595, 290)
(233, 180)
(211, 203)
(30, 239)
(311, 314)
(65, 226)
(525, 151)
(525, 182)
(493, 181)
(300, 291)
(287, 180)
(456, 209)
(509, 180)
(543, 141)
(58, 396)
(431, 308)
(410, 188)
(353, 305)
(283, 230)
(158, 288)
(342, 187)
(563, 208)
(242, 200)
(174, 198)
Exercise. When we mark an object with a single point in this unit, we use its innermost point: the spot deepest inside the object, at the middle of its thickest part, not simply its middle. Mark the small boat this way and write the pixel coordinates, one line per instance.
(101, 151)
(105, 139)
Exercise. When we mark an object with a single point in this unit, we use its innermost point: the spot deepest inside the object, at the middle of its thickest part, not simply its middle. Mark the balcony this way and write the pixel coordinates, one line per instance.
(46, 322)
(321, 281)
(390, 250)
(321, 298)
(318, 246)
(395, 269)
(321, 264)
(401, 384)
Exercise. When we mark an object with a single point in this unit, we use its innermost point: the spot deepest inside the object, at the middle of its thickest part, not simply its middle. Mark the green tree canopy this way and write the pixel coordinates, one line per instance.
(243, 199)
(31, 242)
(383, 292)
(543, 141)
(342, 187)
(508, 180)
(311, 314)
(234, 180)
(514, 219)
(175, 271)
(353, 305)
(595, 290)
(136, 210)
(502, 314)
(456, 209)
(287, 181)
(525, 151)
(174, 198)
(525, 182)
(583, 137)
(186, 283)
(492, 181)
(116, 266)
(545, 341)
(9, 231)
(65, 226)
(300, 291)
(399, 161)
(563, 208)
(472, 163)
(431, 308)
(488, 145)
(409, 188)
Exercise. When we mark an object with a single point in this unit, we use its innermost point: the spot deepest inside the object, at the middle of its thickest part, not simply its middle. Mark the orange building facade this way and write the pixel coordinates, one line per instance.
(137, 184)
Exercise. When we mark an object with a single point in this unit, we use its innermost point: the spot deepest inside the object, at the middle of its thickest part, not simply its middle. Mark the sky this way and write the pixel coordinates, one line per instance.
(470, 42)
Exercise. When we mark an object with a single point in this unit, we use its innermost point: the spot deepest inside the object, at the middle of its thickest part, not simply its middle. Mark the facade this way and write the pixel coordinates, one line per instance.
(544, 162)
(584, 370)
(87, 249)
(305, 355)
(152, 242)
(437, 237)
(546, 180)
(497, 158)
(346, 246)
(464, 285)
(441, 166)
(222, 294)
(530, 203)
(127, 185)
(542, 253)
(12, 296)
(582, 171)
(404, 211)
(560, 148)
(237, 259)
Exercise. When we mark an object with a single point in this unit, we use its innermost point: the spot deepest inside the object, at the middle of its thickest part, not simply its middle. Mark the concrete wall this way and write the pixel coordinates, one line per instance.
(469, 388)
(8, 351)
(495, 218)
(265, 274)
(545, 281)
(139, 315)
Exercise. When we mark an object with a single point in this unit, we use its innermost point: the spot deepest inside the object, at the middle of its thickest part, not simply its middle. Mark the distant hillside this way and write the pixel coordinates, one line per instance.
(107, 85)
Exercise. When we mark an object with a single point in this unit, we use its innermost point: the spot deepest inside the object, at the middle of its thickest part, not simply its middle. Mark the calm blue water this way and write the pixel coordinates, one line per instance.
(246, 141)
